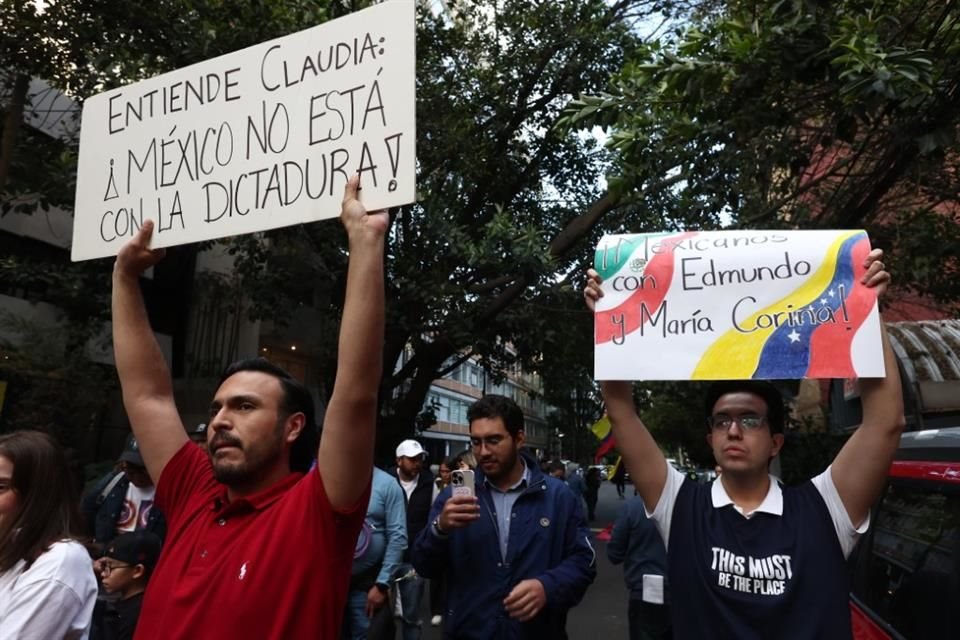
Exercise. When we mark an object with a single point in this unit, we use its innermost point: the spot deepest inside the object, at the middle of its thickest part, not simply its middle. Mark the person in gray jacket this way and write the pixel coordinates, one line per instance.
(637, 544)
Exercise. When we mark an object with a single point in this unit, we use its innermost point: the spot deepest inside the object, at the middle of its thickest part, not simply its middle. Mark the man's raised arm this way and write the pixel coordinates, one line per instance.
(644, 460)
(860, 469)
(144, 375)
(345, 458)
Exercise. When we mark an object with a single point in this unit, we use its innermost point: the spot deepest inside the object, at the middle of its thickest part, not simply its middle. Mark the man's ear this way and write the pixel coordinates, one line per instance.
(777, 445)
(139, 571)
(295, 425)
(710, 439)
(521, 438)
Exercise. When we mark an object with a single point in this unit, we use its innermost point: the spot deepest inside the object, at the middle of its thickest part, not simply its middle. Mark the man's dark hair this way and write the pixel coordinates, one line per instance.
(296, 399)
(494, 406)
(765, 390)
(556, 465)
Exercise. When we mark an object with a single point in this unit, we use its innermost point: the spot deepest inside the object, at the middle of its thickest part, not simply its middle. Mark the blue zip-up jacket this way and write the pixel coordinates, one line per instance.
(549, 540)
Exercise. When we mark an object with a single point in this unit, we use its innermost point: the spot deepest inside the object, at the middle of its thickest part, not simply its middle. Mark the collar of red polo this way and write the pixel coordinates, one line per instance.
(255, 501)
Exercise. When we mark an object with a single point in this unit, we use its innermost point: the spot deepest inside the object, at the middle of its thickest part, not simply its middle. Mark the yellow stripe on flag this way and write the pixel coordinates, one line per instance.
(735, 355)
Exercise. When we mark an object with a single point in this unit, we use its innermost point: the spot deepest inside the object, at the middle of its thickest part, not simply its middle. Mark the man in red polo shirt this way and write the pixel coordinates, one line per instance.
(258, 544)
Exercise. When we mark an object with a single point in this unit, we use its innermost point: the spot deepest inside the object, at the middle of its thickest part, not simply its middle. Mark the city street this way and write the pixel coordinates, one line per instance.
(603, 612)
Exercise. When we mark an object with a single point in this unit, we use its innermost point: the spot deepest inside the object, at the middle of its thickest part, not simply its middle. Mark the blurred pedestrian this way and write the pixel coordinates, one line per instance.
(438, 583)
(47, 585)
(591, 494)
(620, 479)
(557, 469)
(417, 484)
(376, 561)
(636, 543)
(467, 461)
(122, 501)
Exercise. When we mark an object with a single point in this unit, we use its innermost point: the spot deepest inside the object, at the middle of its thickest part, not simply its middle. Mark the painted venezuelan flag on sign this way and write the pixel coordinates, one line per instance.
(736, 305)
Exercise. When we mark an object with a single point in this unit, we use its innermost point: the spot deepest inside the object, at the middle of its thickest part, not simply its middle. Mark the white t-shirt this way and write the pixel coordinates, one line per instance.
(53, 599)
(136, 508)
(847, 533)
(408, 485)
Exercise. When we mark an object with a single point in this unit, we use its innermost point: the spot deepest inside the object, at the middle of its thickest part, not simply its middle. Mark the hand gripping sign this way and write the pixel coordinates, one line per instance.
(260, 138)
(736, 305)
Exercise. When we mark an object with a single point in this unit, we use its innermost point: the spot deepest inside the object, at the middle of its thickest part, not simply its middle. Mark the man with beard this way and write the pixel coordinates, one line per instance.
(517, 554)
(259, 544)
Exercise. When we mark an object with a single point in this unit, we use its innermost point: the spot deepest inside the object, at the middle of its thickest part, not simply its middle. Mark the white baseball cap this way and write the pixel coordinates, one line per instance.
(410, 449)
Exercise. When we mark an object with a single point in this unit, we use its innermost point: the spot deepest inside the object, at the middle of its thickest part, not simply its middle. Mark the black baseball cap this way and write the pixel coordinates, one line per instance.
(131, 452)
(135, 547)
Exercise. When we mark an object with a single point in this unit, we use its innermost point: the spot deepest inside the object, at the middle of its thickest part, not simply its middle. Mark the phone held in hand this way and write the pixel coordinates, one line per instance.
(462, 481)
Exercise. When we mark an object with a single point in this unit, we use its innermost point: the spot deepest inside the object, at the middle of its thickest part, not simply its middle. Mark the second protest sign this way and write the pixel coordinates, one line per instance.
(736, 305)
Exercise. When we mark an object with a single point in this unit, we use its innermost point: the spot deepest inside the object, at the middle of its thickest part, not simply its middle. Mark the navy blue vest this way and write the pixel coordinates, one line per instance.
(733, 578)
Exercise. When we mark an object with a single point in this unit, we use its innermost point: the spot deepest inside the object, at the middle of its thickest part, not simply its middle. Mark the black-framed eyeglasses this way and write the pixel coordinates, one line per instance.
(106, 568)
(747, 422)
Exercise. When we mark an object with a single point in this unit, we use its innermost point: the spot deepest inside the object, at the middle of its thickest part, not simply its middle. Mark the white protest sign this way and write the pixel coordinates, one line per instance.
(736, 305)
(260, 138)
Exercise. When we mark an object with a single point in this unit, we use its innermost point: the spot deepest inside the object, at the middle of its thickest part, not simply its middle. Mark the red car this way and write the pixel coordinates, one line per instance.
(906, 569)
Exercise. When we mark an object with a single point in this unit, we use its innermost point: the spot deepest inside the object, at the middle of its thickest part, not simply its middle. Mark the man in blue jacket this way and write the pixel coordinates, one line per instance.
(518, 554)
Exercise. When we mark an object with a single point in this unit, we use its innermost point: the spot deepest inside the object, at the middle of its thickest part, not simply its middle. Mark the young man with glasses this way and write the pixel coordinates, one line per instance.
(517, 553)
(747, 558)
(125, 571)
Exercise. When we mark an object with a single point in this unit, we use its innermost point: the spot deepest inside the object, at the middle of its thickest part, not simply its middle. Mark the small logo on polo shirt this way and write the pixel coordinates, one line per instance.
(243, 571)
(544, 522)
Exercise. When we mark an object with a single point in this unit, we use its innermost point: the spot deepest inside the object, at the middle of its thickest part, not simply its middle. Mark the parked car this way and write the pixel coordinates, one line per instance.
(906, 569)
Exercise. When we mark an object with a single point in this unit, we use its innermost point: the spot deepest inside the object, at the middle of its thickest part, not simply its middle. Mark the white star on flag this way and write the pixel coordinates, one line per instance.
(794, 336)
(830, 293)
(823, 301)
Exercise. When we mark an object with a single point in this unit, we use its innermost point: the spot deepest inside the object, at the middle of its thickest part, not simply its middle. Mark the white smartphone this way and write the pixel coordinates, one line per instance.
(463, 482)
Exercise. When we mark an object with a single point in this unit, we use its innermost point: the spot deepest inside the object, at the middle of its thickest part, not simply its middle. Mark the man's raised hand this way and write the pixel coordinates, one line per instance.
(136, 256)
(592, 291)
(877, 275)
(354, 215)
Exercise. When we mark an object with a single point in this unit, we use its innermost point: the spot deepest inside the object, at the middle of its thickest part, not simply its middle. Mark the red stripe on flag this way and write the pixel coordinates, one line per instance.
(830, 343)
(660, 268)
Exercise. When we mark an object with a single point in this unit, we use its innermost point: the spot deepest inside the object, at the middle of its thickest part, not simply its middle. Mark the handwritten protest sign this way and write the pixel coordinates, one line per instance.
(257, 139)
(736, 305)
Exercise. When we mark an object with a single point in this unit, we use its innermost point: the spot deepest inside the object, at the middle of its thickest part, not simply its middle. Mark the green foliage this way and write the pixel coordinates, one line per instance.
(673, 412)
(805, 455)
(796, 113)
(51, 384)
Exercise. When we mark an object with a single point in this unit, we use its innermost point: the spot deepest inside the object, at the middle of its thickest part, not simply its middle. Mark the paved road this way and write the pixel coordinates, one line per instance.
(603, 612)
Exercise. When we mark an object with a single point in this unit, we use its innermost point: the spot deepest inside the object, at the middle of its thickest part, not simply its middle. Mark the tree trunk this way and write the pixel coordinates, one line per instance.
(11, 126)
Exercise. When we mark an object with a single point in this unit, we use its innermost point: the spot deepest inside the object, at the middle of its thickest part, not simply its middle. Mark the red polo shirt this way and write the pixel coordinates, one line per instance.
(275, 564)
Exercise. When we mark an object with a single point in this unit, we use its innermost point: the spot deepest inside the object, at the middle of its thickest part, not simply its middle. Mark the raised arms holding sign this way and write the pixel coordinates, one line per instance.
(236, 432)
(858, 471)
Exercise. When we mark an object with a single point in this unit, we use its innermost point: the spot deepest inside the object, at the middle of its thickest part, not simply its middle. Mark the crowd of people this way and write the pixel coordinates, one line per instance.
(259, 524)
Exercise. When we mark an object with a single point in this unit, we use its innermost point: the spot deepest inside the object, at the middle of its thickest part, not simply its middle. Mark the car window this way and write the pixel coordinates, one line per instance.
(908, 573)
